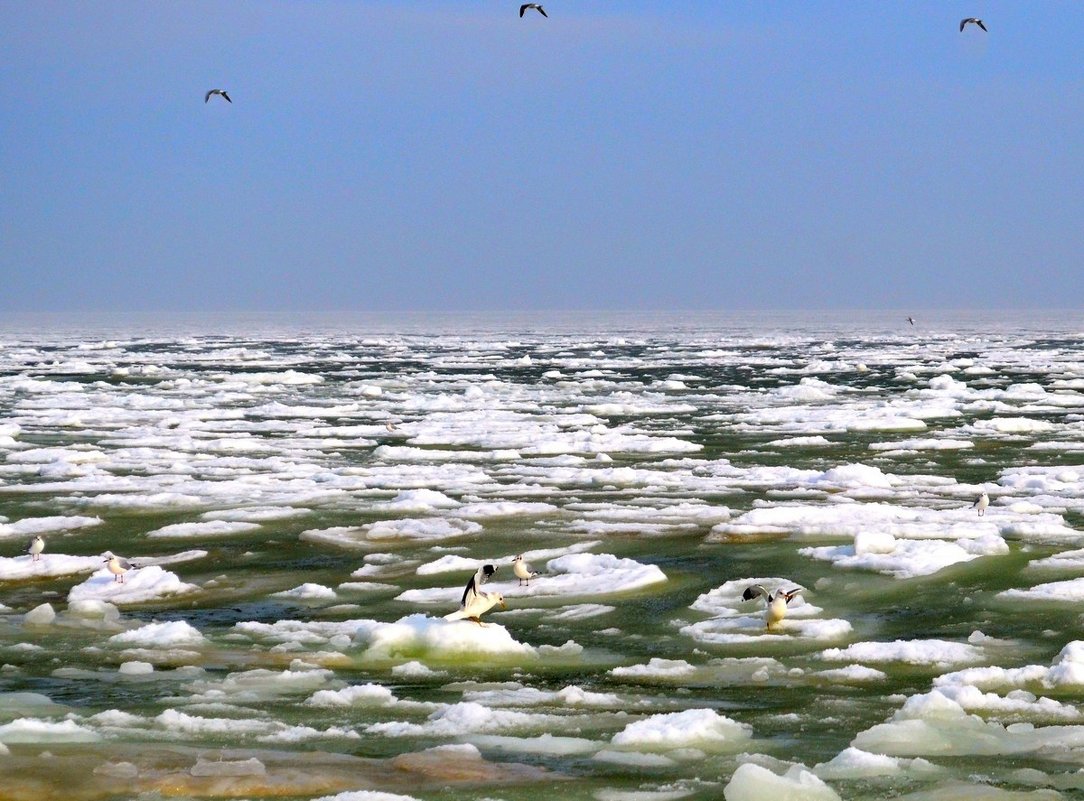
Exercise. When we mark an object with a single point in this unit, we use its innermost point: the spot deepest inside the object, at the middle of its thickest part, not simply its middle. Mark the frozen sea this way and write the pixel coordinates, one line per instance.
(284, 635)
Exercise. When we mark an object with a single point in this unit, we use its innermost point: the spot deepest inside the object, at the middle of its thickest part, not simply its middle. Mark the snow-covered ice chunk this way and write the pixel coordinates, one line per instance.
(139, 586)
(752, 782)
(704, 729)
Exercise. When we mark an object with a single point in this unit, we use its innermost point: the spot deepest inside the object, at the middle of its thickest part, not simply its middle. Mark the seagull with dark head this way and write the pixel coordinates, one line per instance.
(777, 601)
(475, 601)
(973, 21)
(536, 6)
(220, 92)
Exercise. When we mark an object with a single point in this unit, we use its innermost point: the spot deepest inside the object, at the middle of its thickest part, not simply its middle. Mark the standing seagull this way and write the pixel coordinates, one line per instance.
(222, 92)
(981, 503)
(117, 566)
(974, 20)
(777, 601)
(475, 602)
(536, 6)
(522, 570)
(35, 547)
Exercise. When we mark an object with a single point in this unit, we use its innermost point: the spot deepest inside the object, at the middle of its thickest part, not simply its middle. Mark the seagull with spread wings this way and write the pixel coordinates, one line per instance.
(777, 601)
(220, 92)
(476, 601)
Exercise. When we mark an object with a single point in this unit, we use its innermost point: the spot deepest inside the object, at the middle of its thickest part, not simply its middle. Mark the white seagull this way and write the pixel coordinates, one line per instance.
(523, 570)
(475, 602)
(221, 92)
(981, 503)
(35, 547)
(777, 601)
(973, 20)
(388, 424)
(117, 566)
(536, 6)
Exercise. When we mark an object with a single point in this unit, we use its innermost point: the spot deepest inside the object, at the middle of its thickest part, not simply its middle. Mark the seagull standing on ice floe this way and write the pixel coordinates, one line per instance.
(476, 602)
(117, 566)
(981, 503)
(35, 547)
(221, 92)
(777, 601)
(973, 20)
(536, 6)
(523, 570)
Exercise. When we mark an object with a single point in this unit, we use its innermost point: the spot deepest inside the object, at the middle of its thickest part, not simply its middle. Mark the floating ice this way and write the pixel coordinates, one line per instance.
(573, 575)
(467, 718)
(160, 635)
(139, 586)
(43, 525)
(211, 528)
(937, 653)
(738, 621)
(904, 558)
(751, 782)
(422, 637)
(308, 592)
(704, 729)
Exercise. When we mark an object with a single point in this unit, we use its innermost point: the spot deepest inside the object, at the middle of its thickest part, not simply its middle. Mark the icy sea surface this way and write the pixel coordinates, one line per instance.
(305, 499)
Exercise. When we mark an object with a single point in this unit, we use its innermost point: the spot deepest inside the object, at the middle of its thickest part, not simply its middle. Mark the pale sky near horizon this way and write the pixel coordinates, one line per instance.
(451, 156)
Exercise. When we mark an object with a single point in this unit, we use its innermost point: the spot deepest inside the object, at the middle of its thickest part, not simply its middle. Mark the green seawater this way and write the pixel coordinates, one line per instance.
(154, 429)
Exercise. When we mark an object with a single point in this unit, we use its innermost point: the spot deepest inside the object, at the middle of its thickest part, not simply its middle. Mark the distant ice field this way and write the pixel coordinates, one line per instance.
(303, 501)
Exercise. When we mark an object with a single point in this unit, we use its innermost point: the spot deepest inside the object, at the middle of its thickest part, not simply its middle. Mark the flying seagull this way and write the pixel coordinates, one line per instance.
(476, 602)
(523, 570)
(963, 22)
(777, 601)
(117, 566)
(536, 6)
(222, 92)
(911, 320)
(35, 547)
(981, 503)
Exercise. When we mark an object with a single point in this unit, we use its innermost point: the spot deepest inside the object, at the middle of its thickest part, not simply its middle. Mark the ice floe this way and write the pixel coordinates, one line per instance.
(139, 586)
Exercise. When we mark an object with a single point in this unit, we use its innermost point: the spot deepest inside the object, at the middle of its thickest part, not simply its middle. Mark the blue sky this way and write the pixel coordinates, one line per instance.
(618, 155)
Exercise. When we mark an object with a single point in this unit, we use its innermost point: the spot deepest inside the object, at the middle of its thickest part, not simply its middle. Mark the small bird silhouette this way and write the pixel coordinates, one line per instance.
(222, 92)
(911, 320)
(536, 6)
(974, 20)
